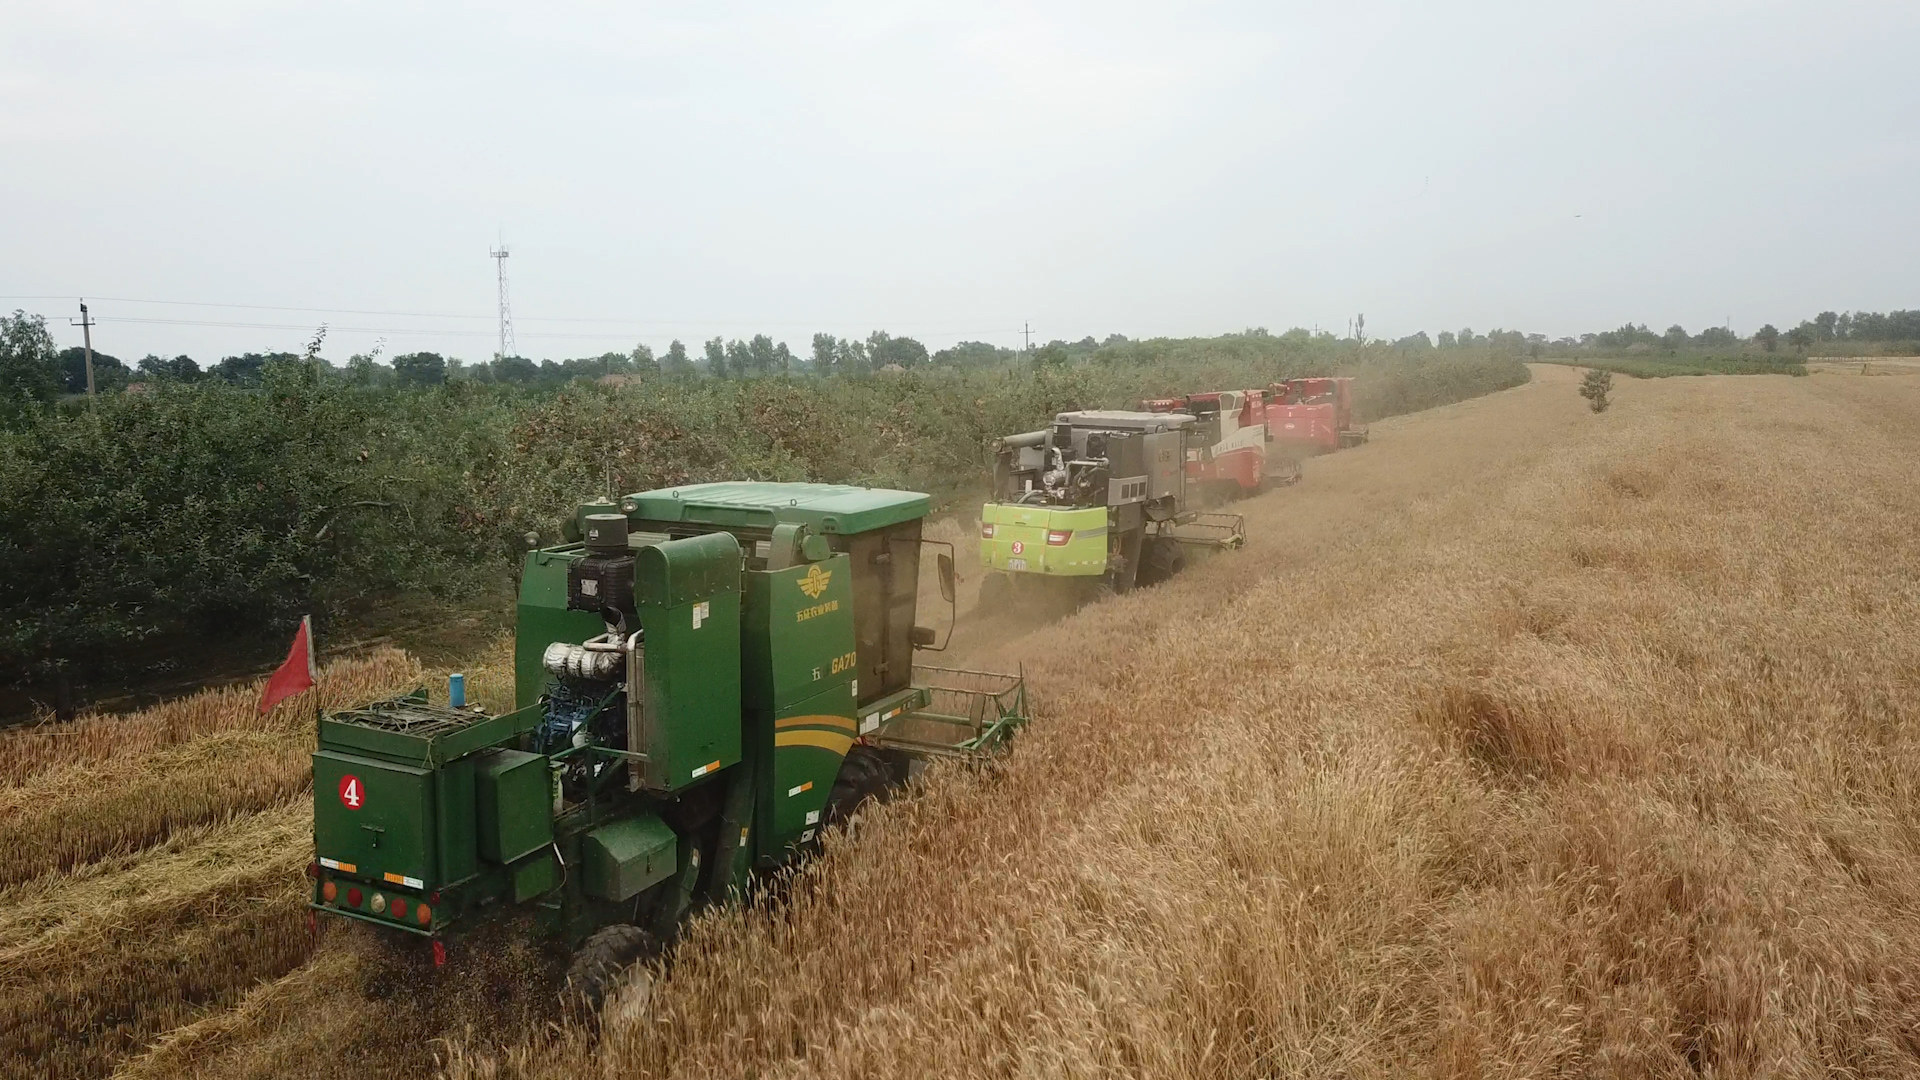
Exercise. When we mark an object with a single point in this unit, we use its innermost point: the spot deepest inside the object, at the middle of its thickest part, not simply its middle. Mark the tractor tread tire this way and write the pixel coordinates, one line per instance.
(1164, 559)
(602, 959)
(864, 775)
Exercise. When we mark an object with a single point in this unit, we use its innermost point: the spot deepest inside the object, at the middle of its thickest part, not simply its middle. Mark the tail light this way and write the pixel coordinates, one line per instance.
(399, 908)
(379, 904)
(329, 891)
(353, 897)
(986, 530)
(1058, 537)
(423, 913)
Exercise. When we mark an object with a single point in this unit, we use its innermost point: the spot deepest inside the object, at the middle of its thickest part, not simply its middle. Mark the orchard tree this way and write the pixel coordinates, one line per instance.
(677, 362)
(420, 369)
(826, 349)
(29, 368)
(178, 369)
(883, 349)
(109, 372)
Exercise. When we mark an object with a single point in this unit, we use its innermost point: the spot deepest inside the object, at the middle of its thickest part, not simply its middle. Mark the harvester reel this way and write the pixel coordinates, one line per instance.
(597, 968)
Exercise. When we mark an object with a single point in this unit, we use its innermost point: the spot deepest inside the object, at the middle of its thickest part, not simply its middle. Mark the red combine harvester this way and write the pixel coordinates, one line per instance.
(1313, 415)
(1232, 457)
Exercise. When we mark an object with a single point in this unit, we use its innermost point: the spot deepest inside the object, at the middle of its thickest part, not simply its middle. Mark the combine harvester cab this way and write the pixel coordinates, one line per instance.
(1232, 458)
(1098, 502)
(1313, 415)
(704, 679)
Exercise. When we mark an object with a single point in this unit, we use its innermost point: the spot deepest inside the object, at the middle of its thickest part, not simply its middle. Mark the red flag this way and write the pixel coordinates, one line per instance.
(296, 676)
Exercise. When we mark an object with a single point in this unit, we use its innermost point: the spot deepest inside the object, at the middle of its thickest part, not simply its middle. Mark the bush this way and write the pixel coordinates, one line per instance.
(1595, 387)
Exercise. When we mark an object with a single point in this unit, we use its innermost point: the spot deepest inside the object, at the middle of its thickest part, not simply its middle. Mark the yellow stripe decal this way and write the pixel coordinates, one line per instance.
(825, 740)
(815, 721)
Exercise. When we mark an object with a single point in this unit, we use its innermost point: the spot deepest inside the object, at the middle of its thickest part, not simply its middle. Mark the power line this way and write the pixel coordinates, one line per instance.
(607, 321)
(430, 332)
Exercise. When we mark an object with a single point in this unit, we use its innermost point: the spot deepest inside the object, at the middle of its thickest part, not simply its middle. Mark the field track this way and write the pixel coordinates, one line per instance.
(1521, 741)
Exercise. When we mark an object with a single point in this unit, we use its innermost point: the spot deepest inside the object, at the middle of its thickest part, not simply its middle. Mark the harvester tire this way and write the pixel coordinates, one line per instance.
(864, 775)
(1164, 558)
(597, 967)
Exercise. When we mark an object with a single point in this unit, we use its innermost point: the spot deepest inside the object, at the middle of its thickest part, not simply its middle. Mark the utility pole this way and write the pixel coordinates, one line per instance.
(499, 255)
(1026, 333)
(86, 332)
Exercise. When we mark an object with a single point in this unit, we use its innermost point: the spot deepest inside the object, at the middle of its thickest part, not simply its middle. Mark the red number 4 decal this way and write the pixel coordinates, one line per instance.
(351, 793)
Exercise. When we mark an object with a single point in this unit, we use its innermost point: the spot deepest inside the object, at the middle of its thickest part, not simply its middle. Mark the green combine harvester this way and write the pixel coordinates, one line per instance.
(705, 677)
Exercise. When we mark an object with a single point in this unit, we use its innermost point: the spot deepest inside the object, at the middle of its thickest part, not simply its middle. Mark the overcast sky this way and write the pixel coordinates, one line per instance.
(949, 170)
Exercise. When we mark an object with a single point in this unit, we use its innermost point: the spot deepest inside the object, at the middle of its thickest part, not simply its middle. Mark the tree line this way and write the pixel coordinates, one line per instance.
(34, 370)
(213, 511)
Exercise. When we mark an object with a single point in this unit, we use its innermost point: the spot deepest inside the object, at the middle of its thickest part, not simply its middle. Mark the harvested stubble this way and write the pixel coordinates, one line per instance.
(152, 866)
(1520, 742)
(76, 793)
(95, 964)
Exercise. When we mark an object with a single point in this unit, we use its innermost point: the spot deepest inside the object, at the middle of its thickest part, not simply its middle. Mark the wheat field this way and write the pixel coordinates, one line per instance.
(1522, 741)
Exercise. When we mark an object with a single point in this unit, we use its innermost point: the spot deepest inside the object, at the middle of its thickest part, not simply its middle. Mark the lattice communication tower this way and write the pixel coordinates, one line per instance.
(506, 311)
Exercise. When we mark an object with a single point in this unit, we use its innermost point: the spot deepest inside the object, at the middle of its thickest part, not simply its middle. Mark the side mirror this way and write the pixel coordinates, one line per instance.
(946, 577)
(923, 636)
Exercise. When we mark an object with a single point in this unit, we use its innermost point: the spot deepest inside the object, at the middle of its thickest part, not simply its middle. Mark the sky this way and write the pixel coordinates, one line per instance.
(947, 171)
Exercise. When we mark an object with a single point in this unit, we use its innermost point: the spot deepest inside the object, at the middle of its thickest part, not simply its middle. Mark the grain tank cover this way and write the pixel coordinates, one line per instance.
(828, 509)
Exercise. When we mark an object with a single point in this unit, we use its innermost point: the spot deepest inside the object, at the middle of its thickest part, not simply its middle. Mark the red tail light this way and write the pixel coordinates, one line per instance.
(399, 908)
(1058, 537)
(353, 897)
(986, 530)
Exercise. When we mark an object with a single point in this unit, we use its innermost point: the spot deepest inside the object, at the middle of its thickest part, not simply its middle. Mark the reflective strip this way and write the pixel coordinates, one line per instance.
(343, 867)
(792, 791)
(401, 879)
(814, 721)
(705, 769)
(825, 740)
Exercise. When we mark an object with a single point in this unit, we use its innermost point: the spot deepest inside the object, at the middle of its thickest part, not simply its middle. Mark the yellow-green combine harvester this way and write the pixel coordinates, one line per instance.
(705, 677)
(1096, 503)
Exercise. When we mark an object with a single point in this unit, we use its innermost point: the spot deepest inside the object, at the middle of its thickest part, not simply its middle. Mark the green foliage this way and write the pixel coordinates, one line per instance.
(419, 369)
(209, 508)
(109, 372)
(29, 368)
(179, 369)
(1595, 387)
(1658, 367)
